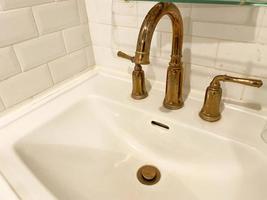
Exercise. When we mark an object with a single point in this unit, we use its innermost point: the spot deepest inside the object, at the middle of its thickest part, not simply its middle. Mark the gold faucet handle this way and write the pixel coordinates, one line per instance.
(245, 81)
(125, 56)
(211, 108)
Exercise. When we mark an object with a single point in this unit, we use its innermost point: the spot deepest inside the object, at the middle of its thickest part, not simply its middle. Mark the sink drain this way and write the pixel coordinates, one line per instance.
(148, 175)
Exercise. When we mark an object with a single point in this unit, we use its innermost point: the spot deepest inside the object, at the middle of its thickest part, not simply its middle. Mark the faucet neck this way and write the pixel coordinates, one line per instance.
(148, 28)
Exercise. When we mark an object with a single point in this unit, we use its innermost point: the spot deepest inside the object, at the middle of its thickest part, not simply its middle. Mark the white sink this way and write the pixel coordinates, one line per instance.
(87, 140)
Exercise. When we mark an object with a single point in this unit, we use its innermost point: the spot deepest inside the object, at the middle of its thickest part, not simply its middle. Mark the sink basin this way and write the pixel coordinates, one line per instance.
(87, 142)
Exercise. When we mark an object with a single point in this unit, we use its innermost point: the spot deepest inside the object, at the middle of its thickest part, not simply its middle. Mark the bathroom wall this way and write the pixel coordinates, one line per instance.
(218, 39)
(42, 42)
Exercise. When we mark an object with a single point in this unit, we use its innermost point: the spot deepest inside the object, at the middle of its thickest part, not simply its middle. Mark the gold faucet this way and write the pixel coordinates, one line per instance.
(211, 108)
(174, 83)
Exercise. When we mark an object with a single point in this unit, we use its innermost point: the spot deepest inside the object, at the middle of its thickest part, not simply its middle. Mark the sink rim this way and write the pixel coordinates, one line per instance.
(30, 108)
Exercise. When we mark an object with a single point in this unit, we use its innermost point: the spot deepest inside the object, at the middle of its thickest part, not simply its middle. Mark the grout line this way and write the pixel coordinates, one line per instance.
(50, 72)
(2, 102)
(35, 23)
(217, 53)
(64, 42)
(17, 59)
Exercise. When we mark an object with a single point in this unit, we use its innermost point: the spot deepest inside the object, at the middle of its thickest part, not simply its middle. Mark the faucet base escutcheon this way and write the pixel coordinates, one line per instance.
(139, 85)
(173, 96)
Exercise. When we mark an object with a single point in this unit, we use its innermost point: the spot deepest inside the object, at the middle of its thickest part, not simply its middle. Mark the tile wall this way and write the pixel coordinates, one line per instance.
(218, 39)
(42, 42)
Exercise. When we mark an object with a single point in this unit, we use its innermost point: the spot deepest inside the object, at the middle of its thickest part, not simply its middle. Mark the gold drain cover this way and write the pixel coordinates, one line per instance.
(148, 175)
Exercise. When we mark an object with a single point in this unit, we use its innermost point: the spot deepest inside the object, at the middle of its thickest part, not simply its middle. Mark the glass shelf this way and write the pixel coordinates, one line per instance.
(229, 2)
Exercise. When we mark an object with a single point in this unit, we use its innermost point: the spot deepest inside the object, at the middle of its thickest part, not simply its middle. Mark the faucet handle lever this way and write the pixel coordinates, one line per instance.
(245, 81)
(211, 108)
(125, 56)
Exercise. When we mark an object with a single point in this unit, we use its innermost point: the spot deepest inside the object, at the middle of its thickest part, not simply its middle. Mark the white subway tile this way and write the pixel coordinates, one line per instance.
(144, 7)
(25, 85)
(202, 51)
(2, 107)
(235, 56)
(77, 37)
(185, 10)
(82, 11)
(232, 91)
(187, 52)
(98, 13)
(257, 16)
(56, 16)
(164, 25)
(121, 7)
(243, 15)
(243, 58)
(101, 34)
(10, 4)
(125, 20)
(156, 70)
(197, 77)
(262, 35)
(225, 31)
(90, 56)
(166, 45)
(68, 66)
(107, 57)
(264, 20)
(16, 26)
(39, 51)
(9, 65)
(259, 65)
(125, 37)
(199, 51)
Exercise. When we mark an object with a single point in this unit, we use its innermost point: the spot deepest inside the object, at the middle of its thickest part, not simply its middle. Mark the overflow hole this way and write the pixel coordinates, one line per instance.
(155, 123)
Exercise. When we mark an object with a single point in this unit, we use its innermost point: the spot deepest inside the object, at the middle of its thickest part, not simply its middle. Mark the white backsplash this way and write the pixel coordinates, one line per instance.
(42, 42)
(218, 39)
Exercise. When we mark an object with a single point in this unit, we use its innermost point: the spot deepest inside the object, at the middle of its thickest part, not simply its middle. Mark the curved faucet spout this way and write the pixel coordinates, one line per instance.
(148, 28)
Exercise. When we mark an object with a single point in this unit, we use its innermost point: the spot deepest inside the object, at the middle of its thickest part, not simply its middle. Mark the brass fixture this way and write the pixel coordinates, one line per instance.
(139, 88)
(148, 175)
(211, 108)
(174, 83)
(138, 77)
